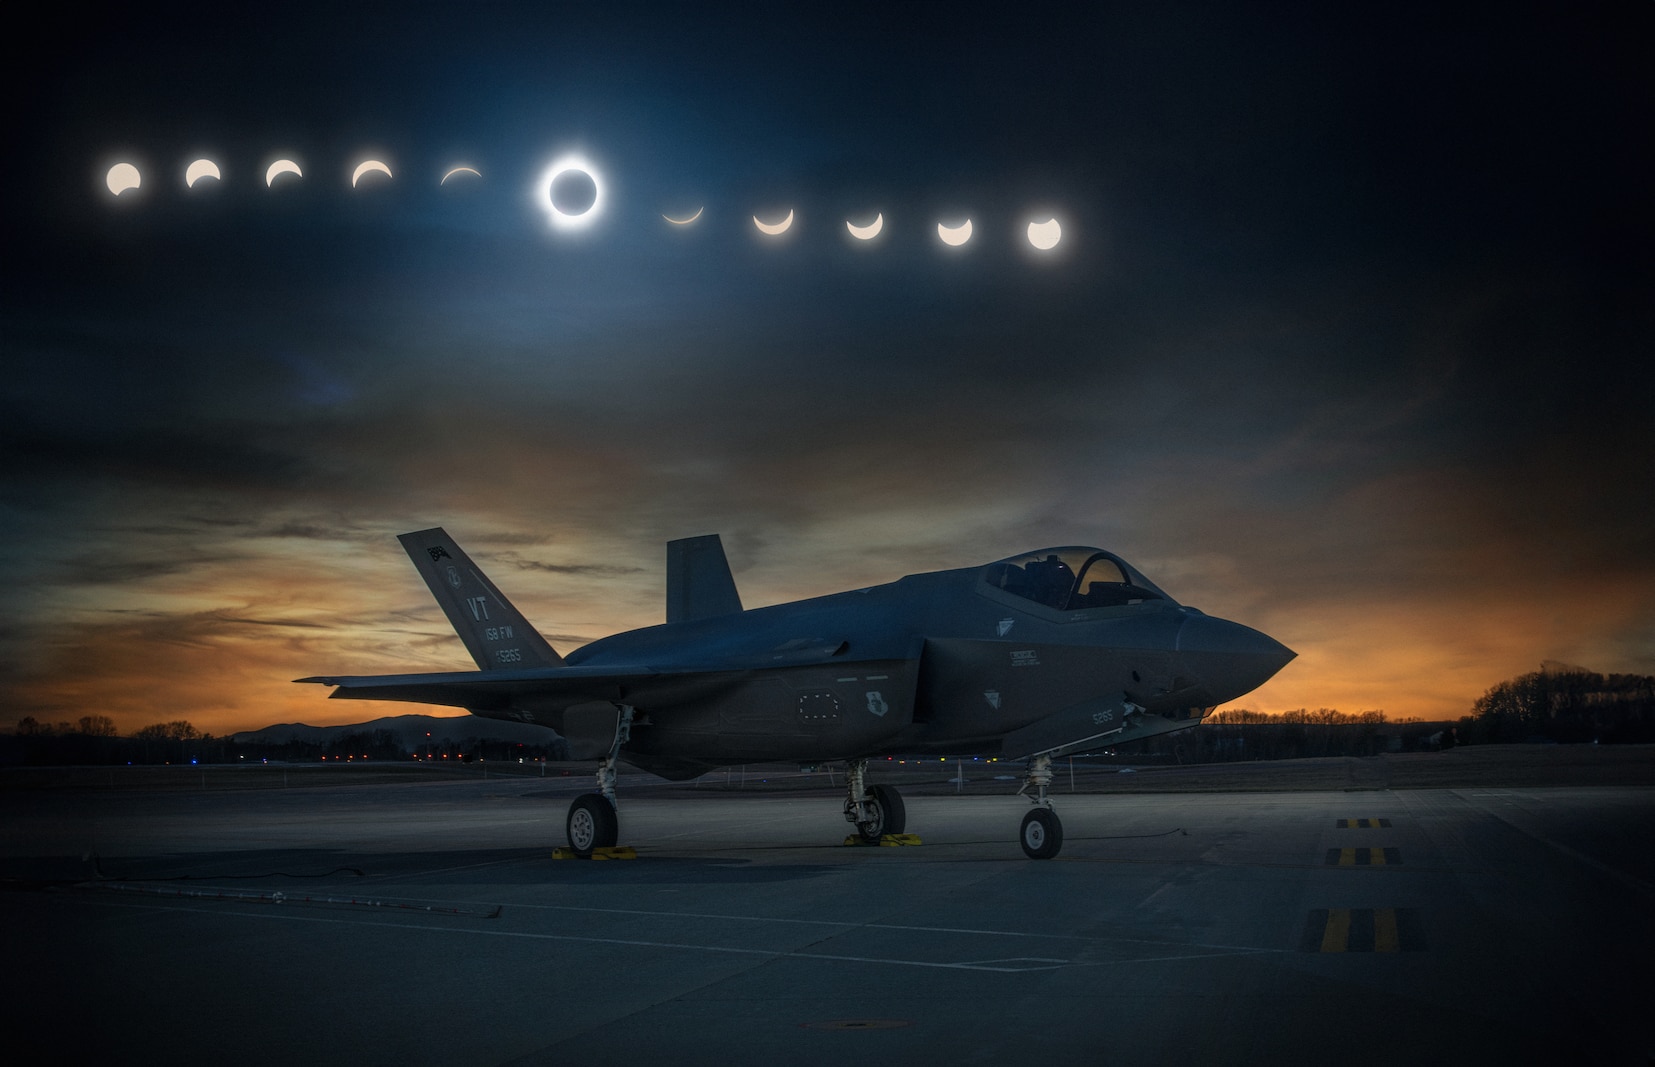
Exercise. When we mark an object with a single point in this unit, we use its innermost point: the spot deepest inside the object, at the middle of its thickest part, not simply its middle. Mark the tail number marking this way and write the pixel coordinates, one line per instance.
(508, 655)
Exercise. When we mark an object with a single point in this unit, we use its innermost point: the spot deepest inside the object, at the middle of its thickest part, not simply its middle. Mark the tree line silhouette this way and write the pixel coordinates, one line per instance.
(93, 740)
(1563, 703)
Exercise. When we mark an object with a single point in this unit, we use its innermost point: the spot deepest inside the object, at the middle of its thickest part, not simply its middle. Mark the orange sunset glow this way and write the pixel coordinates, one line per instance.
(1318, 351)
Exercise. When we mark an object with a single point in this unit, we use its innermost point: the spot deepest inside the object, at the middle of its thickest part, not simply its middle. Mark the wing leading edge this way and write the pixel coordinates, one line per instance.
(535, 692)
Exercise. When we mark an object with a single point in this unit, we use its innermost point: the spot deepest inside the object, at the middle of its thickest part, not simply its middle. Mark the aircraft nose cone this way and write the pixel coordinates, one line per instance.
(1231, 659)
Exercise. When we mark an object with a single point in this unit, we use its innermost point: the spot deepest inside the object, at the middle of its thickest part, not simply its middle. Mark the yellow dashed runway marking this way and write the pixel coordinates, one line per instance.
(1362, 930)
(1364, 857)
(1362, 824)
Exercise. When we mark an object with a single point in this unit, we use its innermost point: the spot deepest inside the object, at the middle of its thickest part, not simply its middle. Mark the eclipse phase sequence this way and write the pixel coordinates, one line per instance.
(571, 193)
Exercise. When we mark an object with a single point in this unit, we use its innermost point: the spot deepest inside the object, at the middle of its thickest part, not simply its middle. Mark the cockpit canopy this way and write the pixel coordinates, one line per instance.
(1071, 579)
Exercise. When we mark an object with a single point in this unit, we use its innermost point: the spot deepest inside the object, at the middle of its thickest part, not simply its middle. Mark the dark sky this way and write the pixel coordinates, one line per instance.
(1348, 336)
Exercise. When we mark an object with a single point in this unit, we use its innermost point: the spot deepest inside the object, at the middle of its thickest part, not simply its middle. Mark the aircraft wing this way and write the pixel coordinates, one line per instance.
(533, 689)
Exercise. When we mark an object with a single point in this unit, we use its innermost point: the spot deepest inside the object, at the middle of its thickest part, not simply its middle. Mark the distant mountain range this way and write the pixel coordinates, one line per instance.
(411, 731)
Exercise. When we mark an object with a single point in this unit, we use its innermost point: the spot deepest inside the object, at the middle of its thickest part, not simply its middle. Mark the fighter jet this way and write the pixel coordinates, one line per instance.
(1045, 654)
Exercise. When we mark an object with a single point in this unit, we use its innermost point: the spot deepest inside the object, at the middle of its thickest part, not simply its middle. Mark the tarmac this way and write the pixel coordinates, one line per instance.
(424, 920)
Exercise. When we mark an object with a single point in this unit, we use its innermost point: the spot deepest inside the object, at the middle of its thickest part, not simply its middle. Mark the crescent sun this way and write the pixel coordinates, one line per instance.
(280, 167)
(692, 218)
(121, 177)
(955, 235)
(460, 170)
(201, 168)
(367, 166)
(1045, 235)
(868, 232)
(773, 228)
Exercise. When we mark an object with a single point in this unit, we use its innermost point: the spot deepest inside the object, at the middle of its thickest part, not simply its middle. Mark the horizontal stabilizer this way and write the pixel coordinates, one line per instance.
(699, 584)
(494, 632)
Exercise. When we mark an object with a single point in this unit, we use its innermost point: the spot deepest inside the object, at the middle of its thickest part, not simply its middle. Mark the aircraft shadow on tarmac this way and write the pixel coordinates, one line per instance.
(290, 870)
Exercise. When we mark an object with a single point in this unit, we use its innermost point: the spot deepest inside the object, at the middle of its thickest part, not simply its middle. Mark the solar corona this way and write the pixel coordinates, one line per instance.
(572, 193)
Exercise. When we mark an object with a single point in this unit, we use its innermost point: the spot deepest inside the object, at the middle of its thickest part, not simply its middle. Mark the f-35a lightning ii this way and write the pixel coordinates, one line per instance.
(1045, 654)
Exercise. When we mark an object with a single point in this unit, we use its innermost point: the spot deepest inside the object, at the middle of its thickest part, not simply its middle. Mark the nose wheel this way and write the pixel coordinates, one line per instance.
(1042, 833)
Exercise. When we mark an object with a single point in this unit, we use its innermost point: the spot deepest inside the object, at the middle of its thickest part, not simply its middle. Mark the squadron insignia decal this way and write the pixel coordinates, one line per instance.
(876, 704)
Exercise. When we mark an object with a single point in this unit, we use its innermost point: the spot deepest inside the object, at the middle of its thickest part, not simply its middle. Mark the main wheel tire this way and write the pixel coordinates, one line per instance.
(889, 814)
(1042, 834)
(592, 824)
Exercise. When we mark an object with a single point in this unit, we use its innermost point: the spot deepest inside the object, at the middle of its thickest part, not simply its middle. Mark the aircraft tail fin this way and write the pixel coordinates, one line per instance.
(699, 584)
(495, 633)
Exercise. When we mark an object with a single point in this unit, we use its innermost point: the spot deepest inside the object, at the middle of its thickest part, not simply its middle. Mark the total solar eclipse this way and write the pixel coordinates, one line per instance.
(571, 193)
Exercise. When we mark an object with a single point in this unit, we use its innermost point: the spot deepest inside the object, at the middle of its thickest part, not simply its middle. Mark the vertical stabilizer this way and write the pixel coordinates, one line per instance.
(494, 632)
(699, 585)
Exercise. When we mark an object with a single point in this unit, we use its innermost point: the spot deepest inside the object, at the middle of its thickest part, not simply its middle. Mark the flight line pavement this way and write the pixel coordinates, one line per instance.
(426, 922)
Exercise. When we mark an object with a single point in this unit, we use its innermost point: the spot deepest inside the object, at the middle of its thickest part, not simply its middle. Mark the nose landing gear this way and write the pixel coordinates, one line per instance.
(1042, 833)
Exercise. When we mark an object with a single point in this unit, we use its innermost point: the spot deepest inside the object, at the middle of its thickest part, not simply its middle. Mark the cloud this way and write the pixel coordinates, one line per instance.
(1398, 421)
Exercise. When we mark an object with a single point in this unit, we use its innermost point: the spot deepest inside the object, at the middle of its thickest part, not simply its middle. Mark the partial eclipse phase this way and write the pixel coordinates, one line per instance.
(955, 235)
(369, 166)
(1045, 235)
(685, 222)
(460, 170)
(868, 232)
(201, 168)
(774, 228)
(280, 167)
(121, 177)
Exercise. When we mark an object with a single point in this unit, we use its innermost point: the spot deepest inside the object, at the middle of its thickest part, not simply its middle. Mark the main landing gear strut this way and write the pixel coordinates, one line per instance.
(874, 812)
(1042, 833)
(593, 822)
